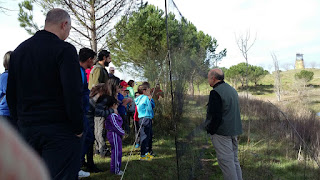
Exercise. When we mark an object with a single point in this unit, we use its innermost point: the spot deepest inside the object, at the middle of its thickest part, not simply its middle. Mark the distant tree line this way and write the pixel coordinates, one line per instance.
(237, 74)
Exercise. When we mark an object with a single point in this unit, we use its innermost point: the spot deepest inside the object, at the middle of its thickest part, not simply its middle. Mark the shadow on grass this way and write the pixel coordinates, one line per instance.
(314, 85)
(258, 89)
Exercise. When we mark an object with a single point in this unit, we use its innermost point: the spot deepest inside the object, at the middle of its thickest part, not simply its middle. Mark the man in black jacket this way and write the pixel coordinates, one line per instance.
(44, 95)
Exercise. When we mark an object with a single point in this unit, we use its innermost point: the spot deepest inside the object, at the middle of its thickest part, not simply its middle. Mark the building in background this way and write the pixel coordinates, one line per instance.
(299, 61)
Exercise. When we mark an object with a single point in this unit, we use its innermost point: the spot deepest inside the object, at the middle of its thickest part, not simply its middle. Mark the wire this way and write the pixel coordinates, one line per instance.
(295, 130)
(125, 168)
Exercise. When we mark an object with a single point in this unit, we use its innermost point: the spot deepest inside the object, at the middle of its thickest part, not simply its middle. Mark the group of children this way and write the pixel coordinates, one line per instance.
(110, 104)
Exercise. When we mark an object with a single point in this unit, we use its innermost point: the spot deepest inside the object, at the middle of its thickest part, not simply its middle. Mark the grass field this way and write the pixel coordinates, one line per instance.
(265, 157)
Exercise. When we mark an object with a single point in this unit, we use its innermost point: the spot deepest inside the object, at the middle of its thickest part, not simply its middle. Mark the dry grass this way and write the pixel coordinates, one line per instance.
(295, 123)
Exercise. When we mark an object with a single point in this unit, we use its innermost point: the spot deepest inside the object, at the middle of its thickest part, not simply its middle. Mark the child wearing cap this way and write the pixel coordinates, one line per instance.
(122, 106)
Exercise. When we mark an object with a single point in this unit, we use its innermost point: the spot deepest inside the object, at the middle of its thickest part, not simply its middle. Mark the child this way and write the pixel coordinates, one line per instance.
(123, 102)
(99, 111)
(114, 135)
(145, 105)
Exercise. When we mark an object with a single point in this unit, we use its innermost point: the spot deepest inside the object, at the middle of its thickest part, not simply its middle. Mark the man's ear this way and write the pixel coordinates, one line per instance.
(64, 25)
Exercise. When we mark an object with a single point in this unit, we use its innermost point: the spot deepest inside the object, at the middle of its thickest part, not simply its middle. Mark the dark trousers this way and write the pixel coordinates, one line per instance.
(145, 135)
(126, 124)
(58, 147)
(90, 162)
(151, 137)
(87, 138)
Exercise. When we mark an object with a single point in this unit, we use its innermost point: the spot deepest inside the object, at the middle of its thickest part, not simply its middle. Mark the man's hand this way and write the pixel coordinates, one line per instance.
(79, 135)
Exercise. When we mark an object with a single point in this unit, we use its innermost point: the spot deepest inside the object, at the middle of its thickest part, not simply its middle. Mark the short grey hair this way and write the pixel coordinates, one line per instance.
(217, 73)
(6, 59)
(56, 16)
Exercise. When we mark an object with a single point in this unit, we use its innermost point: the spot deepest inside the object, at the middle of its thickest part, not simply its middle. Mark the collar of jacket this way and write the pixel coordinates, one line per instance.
(218, 83)
(47, 33)
(99, 65)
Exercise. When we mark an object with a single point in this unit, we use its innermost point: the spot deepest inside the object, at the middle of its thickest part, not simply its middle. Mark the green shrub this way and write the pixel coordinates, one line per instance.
(304, 75)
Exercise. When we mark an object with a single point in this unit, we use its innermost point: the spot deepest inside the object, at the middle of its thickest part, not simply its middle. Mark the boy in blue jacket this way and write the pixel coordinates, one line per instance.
(145, 105)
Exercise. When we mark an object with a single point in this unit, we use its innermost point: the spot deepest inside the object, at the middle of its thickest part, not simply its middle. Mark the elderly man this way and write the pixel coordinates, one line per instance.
(44, 95)
(224, 124)
(111, 71)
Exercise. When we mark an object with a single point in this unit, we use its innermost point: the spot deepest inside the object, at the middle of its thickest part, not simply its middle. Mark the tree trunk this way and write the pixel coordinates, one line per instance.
(93, 40)
(191, 87)
(198, 86)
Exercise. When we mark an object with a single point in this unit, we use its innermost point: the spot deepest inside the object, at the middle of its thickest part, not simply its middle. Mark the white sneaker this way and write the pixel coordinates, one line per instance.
(83, 174)
(120, 173)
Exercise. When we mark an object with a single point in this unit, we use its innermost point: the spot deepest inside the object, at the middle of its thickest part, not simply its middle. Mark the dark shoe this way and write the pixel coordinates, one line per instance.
(93, 169)
(108, 152)
(105, 153)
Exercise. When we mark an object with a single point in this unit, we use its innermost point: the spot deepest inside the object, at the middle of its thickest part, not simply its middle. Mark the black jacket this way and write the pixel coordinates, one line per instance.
(214, 111)
(44, 83)
(98, 108)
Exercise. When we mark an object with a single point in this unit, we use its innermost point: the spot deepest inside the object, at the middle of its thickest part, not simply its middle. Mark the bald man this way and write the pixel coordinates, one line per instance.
(44, 95)
(224, 124)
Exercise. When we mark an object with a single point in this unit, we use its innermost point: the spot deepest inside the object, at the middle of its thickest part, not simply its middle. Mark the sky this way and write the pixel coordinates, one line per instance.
(284, 27)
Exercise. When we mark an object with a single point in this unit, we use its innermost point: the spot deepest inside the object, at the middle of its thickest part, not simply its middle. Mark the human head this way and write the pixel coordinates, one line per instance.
(123, 83)
(144, 89)
(112, 86)
(6, 59)
(126, 92)
(131, 83)
(214, 76)
(97, 89)
(136, 94)
(58, 22)
(111, 101)
(111, 70)
(86, 57)
(104, 57)
(157, 86)
(146, 84)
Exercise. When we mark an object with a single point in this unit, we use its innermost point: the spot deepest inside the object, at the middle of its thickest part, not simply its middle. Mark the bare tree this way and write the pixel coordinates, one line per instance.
(245, 43)
(92, 20)
(286, 66)
(277, 80)
(3, 9)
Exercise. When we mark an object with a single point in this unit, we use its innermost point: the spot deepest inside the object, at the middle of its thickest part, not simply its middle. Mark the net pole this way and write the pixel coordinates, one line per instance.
(171, 91)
